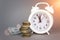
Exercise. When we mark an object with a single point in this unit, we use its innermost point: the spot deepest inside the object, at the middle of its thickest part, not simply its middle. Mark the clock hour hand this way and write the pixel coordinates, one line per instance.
(39, 17)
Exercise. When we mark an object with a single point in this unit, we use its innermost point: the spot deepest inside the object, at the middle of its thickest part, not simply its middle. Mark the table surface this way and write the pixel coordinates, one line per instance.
(54, 35)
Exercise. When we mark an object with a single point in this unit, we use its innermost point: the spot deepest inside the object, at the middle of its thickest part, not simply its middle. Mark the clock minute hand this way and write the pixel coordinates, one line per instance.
(42, 17)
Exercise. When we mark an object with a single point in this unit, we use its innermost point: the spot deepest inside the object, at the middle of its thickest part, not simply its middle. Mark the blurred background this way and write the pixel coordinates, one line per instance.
(13, 12)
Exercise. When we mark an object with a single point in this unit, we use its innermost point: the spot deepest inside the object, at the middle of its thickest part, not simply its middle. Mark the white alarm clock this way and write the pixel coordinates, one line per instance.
(41, 20)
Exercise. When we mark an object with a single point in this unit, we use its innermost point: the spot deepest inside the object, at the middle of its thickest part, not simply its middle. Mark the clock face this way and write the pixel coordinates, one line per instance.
(40, 22)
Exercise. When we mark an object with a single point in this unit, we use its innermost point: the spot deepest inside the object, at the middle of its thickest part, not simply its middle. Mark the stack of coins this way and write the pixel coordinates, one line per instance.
(25, 30)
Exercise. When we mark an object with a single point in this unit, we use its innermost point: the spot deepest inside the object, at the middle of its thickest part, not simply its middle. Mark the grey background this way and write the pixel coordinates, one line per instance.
(13, 12)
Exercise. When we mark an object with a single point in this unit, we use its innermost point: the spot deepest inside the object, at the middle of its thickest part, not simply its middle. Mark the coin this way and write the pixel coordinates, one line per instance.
(26, 23)
(25, 31)
(24, 28)
(26, 35)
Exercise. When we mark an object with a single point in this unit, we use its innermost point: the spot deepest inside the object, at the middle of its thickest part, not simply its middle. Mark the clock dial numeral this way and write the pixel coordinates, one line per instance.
(34, 17)
(46, 24)
(47, 21)
(40, 28)
(46, 17)
(44, 27)
(35, 24)
(33, 20)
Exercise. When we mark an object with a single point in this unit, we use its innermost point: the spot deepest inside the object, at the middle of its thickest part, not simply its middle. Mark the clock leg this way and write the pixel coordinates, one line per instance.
(48, 33)
(32, 32)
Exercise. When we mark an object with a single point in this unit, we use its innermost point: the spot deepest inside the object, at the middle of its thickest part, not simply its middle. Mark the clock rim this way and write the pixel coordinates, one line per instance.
(50, 17)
